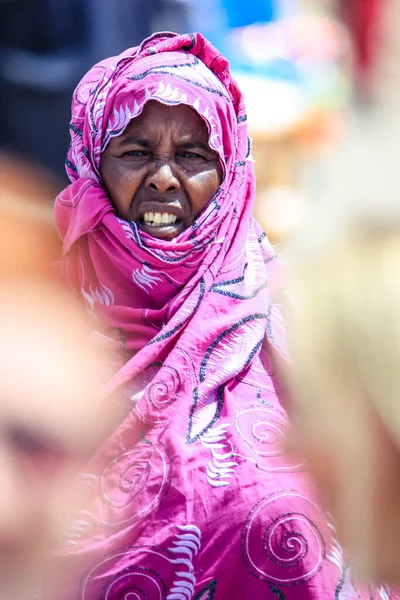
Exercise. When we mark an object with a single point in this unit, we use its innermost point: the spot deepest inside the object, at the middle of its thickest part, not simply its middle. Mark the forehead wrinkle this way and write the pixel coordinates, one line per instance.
(143, 131)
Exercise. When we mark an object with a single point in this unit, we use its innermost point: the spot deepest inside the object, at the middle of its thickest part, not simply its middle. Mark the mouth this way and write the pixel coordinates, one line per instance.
(162, 222)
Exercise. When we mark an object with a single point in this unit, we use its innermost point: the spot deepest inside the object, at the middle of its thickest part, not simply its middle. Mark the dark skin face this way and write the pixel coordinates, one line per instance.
(161, 172)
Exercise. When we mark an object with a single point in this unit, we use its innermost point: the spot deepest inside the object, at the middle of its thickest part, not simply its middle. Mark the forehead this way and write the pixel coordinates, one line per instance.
(159, 119)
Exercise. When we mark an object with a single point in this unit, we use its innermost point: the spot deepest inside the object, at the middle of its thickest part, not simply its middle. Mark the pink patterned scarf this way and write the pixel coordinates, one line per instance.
(191, 496)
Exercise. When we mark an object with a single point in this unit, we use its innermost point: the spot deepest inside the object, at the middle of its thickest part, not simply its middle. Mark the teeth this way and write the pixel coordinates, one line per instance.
(159, 218)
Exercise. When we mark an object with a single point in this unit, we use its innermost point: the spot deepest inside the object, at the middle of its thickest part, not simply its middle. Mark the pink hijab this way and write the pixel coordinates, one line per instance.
(191, 496)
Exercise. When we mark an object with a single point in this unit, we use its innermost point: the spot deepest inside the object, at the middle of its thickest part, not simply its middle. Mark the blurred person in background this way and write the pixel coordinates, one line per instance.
(364, 19)
(291, 61)
(193, 496)
(50, 395)
(45, 48)
(345, 338)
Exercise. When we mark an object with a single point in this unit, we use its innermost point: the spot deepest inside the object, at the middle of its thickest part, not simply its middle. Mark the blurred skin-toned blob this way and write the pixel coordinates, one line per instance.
(28, 238)
(51, 411)
(344, 330)
(48, 405)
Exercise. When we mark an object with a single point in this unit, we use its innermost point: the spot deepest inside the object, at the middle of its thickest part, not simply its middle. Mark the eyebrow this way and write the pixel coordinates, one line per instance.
(145, 143)
(196, 144)
(134, 140)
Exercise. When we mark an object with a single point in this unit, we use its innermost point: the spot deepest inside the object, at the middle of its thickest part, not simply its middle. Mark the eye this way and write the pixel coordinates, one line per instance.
(191, 155)
(137, 153)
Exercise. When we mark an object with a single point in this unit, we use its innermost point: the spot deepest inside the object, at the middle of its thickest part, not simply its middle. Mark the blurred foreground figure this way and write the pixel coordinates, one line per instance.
(49, 399)
(346, 345)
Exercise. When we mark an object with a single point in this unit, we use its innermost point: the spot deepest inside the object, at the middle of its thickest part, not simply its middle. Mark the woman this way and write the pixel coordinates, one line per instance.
(192, 496)
(347, 409)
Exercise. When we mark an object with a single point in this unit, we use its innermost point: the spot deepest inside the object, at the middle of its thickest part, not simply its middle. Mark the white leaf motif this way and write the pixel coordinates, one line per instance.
(145, 278)
(184, 545)
(101, 294)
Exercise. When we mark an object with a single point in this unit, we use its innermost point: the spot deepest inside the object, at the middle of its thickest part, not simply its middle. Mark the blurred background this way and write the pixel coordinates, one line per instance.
(320, 78)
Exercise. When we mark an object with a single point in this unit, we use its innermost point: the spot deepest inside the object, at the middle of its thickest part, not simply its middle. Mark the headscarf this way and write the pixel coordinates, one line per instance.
(192, 496)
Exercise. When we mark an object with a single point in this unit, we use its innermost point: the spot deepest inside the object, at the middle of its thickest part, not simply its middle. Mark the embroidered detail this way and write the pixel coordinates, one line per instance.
(264, 429)
(208, 592)
(276, 327)
(186, 544)
(383, 592)
(127, 228)
(188, 309)
(74, 531)
(71, 166)
(187, 78)
(101, 294)
(147, 569)
(154, 390)
(335, 552)
(118, 122)
(76, 130)
(145, 277)
(345, 588)
(238, 288)
(207, 397)
(221, 468)
(277, 592)
(202, 419)
(143, 475)
(169, 93)
(281, 546)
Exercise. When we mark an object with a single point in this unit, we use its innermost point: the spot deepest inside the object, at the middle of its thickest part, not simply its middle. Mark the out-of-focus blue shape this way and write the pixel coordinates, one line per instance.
(253, 11)
(226, 22)
(286, 61)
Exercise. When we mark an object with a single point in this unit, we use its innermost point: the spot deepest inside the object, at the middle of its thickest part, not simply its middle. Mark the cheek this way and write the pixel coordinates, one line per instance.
(201, 188)
(121, 184)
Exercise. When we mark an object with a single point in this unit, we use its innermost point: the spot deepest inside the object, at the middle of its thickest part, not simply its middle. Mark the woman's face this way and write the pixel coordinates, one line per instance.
(161, 172)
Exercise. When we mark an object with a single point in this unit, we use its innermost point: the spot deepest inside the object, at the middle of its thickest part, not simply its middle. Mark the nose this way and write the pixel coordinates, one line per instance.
(162, 179)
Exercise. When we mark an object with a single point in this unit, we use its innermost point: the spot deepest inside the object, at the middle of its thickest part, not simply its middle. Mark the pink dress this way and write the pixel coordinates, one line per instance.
(191, 497)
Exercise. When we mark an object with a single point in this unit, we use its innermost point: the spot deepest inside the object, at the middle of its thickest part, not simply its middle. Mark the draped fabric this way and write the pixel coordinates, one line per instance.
(192, 496)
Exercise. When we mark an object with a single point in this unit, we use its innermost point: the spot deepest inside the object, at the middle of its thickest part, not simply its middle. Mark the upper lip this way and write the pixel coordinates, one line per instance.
(158, 206)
